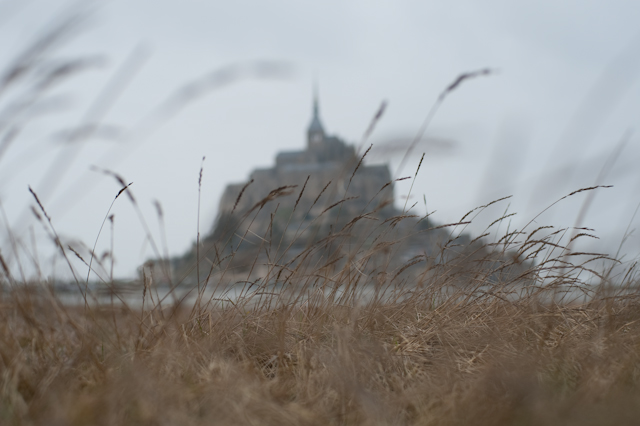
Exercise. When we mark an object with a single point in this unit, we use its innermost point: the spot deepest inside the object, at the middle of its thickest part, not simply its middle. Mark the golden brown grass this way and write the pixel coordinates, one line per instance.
(480, 360)
(495, 337)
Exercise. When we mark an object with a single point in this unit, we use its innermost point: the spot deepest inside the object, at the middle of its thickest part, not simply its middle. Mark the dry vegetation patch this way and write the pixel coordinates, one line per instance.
(462, 362)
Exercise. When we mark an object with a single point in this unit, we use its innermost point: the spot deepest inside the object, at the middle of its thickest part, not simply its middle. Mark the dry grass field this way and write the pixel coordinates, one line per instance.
(464, 358)
(336, 345)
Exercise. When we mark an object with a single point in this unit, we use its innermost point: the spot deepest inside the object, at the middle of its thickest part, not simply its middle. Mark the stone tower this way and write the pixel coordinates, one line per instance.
(315, 133)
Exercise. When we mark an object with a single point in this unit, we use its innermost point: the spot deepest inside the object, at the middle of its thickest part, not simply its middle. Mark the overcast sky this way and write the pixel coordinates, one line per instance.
(564, 94)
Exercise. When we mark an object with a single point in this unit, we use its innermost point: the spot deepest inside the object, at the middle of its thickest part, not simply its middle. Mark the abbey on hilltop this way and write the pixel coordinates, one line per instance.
(315, 178)
(317, 211)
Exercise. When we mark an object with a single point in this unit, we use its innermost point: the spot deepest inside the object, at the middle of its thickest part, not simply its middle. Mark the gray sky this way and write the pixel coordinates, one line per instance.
(565, 92)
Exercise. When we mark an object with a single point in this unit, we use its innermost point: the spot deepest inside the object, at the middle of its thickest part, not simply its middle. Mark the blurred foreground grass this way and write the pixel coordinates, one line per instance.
(465, 358)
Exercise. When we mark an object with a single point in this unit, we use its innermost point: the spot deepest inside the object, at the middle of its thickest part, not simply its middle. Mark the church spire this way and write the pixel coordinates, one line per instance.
(316, 112)
(315, 133)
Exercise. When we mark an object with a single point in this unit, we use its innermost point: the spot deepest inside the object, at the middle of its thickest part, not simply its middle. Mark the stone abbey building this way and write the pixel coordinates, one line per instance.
(322, 210)
(274, 197)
